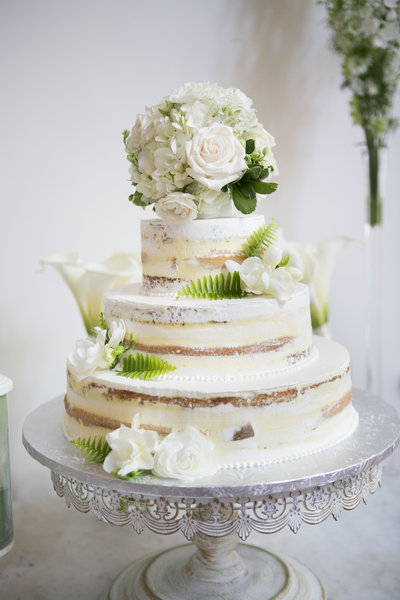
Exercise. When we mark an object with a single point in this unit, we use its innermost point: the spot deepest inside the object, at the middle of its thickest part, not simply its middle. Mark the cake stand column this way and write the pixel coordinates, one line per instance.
(216, 567)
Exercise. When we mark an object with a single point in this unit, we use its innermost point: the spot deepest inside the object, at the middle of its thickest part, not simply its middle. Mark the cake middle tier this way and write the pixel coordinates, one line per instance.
(217, 338)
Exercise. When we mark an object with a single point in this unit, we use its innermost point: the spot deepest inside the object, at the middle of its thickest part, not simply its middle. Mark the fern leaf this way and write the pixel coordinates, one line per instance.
(260, 240)
(144, 366)
(214, 288)
(95, 449)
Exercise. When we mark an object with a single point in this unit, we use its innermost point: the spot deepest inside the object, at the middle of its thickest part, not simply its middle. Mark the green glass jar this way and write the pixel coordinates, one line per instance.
(6, 522)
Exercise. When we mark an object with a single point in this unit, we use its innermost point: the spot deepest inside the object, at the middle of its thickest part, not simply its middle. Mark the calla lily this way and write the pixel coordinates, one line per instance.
(316, 263)
(89, 282)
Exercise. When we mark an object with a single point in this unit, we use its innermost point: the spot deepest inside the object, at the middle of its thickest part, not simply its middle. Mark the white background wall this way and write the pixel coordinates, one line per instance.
(75, 74)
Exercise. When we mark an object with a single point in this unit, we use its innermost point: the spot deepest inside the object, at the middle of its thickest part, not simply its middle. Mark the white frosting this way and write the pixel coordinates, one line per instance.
(308, 417)
(207, 229)
(253, 336)
(331, 358)
(173, 254)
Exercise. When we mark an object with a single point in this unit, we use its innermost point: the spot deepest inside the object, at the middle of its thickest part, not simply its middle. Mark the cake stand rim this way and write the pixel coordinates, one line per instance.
(388, 422)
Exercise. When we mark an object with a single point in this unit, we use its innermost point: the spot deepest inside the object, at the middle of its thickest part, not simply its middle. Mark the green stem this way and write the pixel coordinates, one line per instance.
(374, 199)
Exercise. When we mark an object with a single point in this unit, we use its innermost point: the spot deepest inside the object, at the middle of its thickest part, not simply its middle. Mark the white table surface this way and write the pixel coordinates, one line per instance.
(60, 553)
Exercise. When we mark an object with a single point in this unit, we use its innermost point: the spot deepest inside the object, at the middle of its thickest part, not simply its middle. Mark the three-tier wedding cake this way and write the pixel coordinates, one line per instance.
(210, 361)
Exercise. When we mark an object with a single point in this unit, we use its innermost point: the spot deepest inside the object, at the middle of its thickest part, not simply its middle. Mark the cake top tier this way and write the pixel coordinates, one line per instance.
(198, 151)
(176, 254)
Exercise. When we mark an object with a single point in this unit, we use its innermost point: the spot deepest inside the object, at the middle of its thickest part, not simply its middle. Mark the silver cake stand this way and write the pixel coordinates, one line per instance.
(214, 512)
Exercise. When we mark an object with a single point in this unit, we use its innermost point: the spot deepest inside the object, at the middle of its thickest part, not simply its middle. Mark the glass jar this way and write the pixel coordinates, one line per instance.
(6, 522)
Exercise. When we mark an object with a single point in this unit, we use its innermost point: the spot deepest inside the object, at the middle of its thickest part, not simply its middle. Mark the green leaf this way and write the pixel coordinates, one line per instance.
(253, 173)
(243, 204)
(102, 322)
(260, 240)
(136, 198)
(250, 146)
(167, 110)
(214, 288)
(246, 188)
(265, 172)
(144, 366)
(129, 477)
(95, 449)
(125, 134)
(284, 261)
(264, 187)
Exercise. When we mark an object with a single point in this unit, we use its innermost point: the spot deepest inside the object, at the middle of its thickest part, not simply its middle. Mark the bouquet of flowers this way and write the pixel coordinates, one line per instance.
(197, 150)
(367, 35)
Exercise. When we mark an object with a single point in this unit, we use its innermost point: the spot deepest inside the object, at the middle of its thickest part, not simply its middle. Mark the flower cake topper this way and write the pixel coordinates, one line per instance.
(197, 150)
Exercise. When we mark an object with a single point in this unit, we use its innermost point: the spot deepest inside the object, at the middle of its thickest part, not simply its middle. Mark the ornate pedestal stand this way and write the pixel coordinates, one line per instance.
(214, 511)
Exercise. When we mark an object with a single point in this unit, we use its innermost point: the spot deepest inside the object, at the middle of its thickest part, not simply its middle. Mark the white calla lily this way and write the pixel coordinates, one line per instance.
(89, 282)
(316, 262)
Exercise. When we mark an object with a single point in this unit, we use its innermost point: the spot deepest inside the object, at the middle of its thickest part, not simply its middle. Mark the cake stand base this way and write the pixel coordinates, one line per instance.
(216, 570)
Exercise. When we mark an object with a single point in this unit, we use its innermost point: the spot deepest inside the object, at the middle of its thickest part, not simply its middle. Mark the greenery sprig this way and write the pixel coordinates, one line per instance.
(367, 35)
(144, 366)
(258, 241)
(214, 288)
(95, 449)
(244, 191)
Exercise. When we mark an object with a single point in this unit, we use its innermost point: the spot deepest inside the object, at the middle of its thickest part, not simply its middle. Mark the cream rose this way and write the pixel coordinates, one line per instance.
(185, 455)
(177, 207)
(215, 156)
(131, 449)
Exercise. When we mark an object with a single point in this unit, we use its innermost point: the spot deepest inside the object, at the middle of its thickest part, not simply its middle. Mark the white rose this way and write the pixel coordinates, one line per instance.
(215, 156)
(185, 455)
(254, 275)
(89, 355)
(131, 449)
(177, 207)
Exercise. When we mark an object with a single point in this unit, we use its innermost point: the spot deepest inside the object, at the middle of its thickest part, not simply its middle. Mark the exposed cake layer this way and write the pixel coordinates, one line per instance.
(173, 255)
(275, 418)
(252, 335)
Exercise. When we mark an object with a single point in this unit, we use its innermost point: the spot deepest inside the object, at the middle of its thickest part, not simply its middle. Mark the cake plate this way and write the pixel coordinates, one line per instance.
(215, 512)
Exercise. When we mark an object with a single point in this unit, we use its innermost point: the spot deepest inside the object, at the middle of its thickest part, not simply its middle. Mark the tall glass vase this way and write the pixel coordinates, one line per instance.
(376, 175)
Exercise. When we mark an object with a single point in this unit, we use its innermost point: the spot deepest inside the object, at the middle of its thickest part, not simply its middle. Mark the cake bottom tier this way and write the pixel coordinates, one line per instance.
(267, 420)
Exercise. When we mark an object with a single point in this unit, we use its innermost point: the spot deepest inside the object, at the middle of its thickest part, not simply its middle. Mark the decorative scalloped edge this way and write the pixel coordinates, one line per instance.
(264, 514)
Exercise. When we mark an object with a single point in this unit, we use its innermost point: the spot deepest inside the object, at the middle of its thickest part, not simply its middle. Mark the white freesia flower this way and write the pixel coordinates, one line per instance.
(185, 454)
(263, 276)
(89, 355)
(131, 449)
(281, 283)
(177, 208)
(316, 262)
(94, 353)
(116, 332)
(272, 256)
(254, 275)
(215, 156)
(89, 282)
